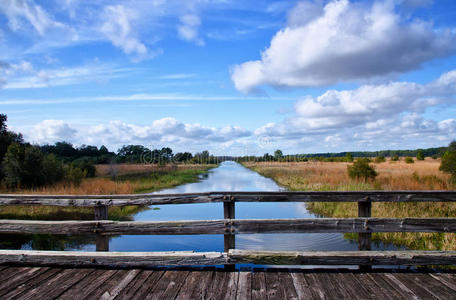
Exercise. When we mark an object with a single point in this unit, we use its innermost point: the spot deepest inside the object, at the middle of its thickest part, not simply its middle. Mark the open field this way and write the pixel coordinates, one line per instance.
(326, 176)
(127, 179)
(130, 179)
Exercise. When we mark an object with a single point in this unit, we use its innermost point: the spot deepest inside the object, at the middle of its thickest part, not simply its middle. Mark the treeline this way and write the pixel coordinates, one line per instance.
(25, 165)
(345, 156)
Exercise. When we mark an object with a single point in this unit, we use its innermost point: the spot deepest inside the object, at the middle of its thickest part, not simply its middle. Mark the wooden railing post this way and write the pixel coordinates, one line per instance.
(229, 240)
(365, 239)
(102, 241)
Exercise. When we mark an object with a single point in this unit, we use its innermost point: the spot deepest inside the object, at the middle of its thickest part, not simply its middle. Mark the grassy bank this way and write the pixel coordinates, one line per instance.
(329, 176)
(128, 179)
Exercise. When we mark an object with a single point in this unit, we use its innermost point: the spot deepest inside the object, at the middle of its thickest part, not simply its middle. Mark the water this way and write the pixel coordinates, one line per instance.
(229, 176)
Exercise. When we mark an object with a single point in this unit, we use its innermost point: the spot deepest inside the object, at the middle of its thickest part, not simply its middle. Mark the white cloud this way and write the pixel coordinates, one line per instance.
(188, 28)
(341, 42)
(23, 75)
(19, 10)
(51, 131)
(166, 131)
(388, 114)
(117, 28)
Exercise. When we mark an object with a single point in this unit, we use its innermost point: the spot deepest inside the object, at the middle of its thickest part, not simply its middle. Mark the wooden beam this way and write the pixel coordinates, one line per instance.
(343, 257)
(111, 259)
(102, 242)
(210, 197)
(151, 259)
(233, 226)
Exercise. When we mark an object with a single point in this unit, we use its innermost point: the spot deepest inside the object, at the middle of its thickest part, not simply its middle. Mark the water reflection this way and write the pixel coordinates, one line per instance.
(231, 176)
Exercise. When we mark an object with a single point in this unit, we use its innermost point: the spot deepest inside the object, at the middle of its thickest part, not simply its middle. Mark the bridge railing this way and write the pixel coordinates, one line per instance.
(364, 225)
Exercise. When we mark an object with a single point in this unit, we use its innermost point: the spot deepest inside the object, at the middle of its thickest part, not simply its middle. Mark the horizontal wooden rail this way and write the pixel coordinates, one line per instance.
(151, 259)
(231, 226)
(211, 197)
(343, 257)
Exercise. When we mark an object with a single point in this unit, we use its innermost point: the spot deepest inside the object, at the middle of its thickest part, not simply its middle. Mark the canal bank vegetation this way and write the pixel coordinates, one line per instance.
(62, 168)
(393, 174)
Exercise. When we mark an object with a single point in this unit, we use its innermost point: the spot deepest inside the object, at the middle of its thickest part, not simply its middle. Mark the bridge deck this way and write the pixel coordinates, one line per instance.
(84, 283)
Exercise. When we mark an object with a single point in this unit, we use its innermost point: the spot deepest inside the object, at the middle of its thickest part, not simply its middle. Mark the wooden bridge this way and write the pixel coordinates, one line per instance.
(30, 274)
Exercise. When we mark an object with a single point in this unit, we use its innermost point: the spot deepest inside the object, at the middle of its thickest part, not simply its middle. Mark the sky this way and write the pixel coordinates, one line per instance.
(233, 77)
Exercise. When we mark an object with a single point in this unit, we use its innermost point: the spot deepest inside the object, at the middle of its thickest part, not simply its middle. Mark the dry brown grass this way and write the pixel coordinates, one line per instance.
(325, 176)
(124, 169)
(90, 186)
(421, 175)
(131, 179)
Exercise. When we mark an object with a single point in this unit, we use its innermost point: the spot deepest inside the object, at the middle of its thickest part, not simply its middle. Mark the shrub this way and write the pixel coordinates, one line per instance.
(409, 160)
(26, 166)
(361, 169)
(380, 159)
(420, 155)
(395, 158)
(349, 157)
(86, 165)
(74, 175)
(448, 163)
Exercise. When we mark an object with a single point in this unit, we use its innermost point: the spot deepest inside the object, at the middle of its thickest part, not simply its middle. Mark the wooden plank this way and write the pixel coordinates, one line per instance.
(301, 285)
(111, 259)
(86, 286)
(273, 288)
(20, 278)
(448, 282)
(143, 290)
(343, 257)
(168, 286)
(133, 286)
(107, 285)
(157, 199)
(400, 287)
(373, 289)
(231, 285)
(113, 293)
(218, 286)
(287, 285)
(430, 284)
(201, 289)
(245, 226)
(32, 283)
(11, 271)
(343, 286)
(244, 290)
(258, 286)
(193, 280)
(387, 285)
(55, 285)
(328, 287)
(317, 289)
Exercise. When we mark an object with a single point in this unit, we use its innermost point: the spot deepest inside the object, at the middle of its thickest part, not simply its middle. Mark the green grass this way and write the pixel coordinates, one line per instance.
(154, 181)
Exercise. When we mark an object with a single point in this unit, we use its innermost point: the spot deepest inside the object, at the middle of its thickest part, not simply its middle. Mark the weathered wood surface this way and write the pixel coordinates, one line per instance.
(111, 259)
(157, 199)
(230, 227)
(89, 283)
(188, 258)
(343, 257)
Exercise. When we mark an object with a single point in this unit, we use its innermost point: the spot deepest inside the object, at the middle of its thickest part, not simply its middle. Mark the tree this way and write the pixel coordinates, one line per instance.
(361, 169)
(448, 163)
(278, 154)
(349, 157)
(420, 154)
(6, 139)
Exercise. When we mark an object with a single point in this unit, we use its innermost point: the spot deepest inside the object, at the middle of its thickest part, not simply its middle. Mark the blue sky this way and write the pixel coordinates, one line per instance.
(233, 77)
